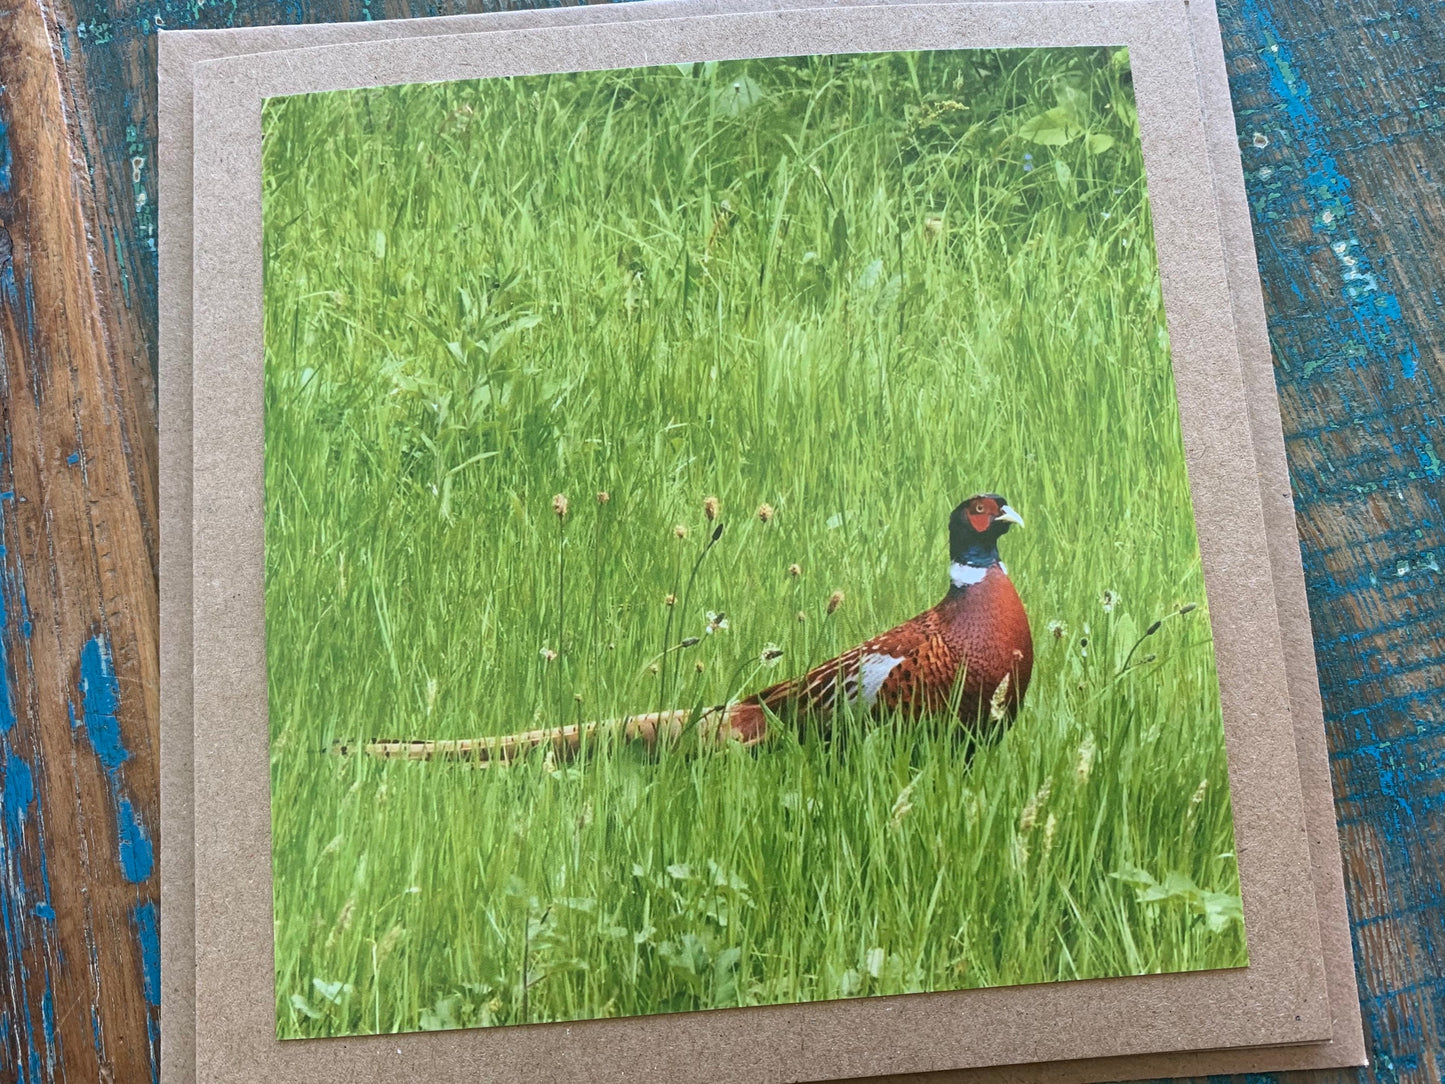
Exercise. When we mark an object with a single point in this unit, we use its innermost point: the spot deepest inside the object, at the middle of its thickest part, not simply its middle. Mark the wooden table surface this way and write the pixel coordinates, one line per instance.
(1341, 110)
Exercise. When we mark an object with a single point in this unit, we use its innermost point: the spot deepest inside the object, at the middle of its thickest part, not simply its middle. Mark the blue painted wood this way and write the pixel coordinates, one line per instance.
(1341, 105)
(78, 669)
(1342, 132)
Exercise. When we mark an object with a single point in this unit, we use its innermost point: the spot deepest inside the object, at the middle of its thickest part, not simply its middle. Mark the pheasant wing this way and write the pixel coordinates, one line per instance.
(893, 669)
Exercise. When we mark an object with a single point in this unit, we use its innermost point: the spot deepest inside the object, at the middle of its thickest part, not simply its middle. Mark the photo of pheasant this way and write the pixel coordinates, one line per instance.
(647, 627)
(971, 654)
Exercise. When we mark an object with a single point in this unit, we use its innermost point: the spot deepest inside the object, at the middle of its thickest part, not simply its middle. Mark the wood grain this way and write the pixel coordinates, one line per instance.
(78, 590)
(1341, 108)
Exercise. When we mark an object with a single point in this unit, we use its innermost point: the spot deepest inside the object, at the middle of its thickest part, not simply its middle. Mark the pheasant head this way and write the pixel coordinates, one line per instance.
(973, 533)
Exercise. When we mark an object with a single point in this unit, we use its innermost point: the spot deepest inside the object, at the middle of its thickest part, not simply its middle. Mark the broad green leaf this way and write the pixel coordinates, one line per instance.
(737, 94)
(1053, 128)
(873, 962)
(1220, 909)
(331, 991)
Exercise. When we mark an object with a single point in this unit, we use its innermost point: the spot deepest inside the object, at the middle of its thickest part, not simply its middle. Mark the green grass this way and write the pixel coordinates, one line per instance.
(854, 288)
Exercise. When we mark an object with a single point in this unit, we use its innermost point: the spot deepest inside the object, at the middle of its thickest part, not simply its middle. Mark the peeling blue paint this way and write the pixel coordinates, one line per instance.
(20, 899)
(1429, 459)
(137, 856)
(12, 607)
(7, 705)
(153, 1034)
(47, 1022)
(16, 796)
(5, 160)
(100, 694)
(1375, 309)
(100, 702)
(147, 929)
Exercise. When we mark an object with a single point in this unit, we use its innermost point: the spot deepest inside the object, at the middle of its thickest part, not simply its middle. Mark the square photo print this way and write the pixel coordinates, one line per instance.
(728, 543)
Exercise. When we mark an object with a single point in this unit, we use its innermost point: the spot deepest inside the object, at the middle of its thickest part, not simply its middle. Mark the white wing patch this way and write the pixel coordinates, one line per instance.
(873, 670)
(965, 575)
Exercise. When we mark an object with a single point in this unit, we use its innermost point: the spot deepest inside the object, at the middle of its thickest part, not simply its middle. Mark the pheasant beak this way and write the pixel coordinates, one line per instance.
(1008, 515)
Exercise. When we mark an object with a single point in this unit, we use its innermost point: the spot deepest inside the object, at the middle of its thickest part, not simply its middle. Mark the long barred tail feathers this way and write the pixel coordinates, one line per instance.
(745, 722)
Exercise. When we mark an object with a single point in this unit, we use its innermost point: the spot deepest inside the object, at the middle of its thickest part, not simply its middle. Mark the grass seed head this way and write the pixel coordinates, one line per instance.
(547, 654)
(603, 496)
(387, 945)
(802, 617)
(834, 601)
(998, 703)
(771, 654)
(795, 570)
(680, 530)
(709, 508)
(1030, 815)
(902, 805)
(670, 599)
(343, 922)
(765, 512)
(559, 505)
(1084, 764)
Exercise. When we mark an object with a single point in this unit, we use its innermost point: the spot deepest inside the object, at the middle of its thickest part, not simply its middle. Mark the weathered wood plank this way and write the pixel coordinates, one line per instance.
(78, 665)
(1348, 100)
(1341, 111)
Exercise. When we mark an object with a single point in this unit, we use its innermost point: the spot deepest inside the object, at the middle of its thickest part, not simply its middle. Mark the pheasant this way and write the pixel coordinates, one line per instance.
(971, 653)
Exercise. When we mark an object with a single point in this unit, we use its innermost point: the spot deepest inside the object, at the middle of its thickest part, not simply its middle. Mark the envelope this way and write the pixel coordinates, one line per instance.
(1282, 557)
